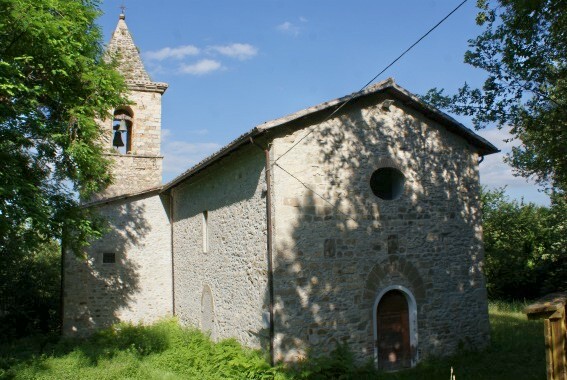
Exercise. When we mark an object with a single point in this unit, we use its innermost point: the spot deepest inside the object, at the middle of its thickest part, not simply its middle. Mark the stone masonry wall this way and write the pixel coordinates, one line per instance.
(332, 259)
(146, 130)
(124, 50)
(138, 286)
(223, 290)
(142, 168)
(132, 174)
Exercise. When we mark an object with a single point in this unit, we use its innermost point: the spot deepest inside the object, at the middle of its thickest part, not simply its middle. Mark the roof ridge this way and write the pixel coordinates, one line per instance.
(389, 85)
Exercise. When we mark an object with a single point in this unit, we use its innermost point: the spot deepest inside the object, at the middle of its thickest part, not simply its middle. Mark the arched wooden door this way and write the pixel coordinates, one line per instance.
(393, 331)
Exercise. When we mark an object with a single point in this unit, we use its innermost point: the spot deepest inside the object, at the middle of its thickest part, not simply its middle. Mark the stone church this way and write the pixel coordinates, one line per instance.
(356, 220)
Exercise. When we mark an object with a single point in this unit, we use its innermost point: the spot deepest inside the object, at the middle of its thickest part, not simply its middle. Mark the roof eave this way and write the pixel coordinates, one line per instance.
(389, 85)
(484, 147)
(226, 150)
(116, 198)
(159, 87)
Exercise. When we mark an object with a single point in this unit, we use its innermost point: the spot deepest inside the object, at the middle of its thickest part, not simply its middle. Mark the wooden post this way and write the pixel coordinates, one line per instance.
(552, 308)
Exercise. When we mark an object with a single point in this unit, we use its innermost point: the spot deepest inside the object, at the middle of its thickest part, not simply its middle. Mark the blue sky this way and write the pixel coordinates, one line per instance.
(232, 65)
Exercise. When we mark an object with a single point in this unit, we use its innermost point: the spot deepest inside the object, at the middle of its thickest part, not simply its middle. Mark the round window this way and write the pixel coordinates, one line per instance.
(387, 183)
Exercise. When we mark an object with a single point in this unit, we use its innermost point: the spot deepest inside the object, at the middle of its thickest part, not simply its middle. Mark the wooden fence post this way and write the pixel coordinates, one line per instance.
(553, 309)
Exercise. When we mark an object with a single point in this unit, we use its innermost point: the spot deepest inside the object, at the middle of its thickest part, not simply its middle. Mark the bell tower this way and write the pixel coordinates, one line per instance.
(133, 136)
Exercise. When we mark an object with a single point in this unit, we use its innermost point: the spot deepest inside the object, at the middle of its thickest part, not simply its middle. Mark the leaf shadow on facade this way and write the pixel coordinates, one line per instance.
(333, 257)
(100, 285)
(221, 290)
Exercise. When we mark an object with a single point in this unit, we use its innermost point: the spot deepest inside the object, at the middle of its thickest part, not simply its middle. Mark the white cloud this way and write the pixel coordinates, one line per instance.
(199, 132)
(289, 28)
(176, 52)
(302, 19)
(239, 51)
(204, 66)
(180, 156)
(155, 68)
(160, 61)
(165, 134)
(493, 170)
(495, 173)
(499, 137)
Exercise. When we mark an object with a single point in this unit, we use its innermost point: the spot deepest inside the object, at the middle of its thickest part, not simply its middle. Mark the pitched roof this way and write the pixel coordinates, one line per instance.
(387, 86)
(130, 65)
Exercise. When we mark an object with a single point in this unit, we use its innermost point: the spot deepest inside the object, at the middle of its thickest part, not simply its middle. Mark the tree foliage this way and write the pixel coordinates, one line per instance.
(523, 49)
(525, 247)
(30, 292)
(54, 84)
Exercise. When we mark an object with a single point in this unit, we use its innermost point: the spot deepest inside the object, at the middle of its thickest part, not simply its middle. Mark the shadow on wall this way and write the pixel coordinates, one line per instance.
(333, 257)
(100, 285)
(219, 239)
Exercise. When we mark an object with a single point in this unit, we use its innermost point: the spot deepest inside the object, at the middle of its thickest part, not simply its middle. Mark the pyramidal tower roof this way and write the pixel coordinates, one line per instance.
(123, 49)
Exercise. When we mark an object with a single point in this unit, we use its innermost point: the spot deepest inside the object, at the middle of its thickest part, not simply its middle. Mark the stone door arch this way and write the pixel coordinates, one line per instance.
(395, 328)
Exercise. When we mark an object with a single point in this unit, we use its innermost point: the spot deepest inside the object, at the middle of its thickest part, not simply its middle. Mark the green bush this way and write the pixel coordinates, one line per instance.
(30, 291)
(525, 247)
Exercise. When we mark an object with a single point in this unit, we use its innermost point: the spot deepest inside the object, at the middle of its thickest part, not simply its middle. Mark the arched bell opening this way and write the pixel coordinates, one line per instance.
(122, 131)
(395, 328)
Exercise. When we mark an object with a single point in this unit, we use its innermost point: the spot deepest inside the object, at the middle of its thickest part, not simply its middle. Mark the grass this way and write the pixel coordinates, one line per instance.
(161, 351)
(516, 352)
(166, 351)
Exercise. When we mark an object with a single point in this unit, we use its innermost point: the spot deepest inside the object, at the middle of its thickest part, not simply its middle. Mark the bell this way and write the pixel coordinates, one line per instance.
(117, 140)
(122, 127)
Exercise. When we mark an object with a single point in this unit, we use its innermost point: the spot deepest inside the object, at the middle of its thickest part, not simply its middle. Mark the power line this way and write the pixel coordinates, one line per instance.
(275, 163)
(374, 78)
(314, 192)
(304, 184)
(413, 45)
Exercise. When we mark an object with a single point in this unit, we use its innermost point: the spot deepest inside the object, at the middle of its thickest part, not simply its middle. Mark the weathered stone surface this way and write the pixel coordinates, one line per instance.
(235, 266)
(429, 240)
(137, 287)
(337, 246)
(123, 49)
(141, 168)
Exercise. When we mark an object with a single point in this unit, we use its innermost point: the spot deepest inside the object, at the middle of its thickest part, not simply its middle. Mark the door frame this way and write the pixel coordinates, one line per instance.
(412, 311)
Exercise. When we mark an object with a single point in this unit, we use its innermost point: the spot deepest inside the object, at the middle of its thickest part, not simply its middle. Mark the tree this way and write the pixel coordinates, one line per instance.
(514, 239)
(523, 49)
(30, 291)
(525, 247)
(54, 85)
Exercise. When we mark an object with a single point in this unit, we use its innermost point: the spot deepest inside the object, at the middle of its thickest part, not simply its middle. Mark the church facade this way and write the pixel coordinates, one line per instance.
(356, 220)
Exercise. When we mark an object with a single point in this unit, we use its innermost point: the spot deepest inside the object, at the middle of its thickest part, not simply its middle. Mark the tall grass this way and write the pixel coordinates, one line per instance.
(160, 351)
(167, 351)
(516, 352)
